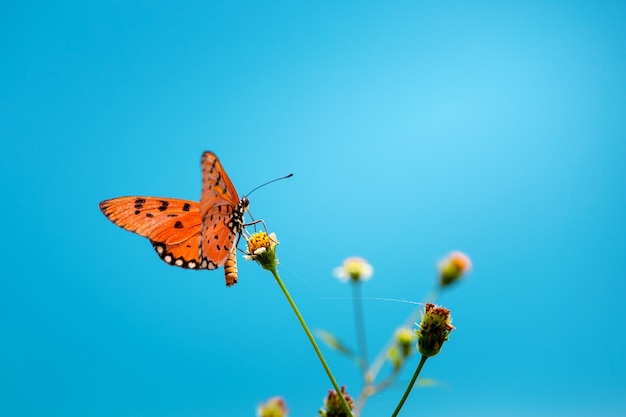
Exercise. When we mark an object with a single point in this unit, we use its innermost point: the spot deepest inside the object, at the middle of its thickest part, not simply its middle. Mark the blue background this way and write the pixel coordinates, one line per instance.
(412, 128)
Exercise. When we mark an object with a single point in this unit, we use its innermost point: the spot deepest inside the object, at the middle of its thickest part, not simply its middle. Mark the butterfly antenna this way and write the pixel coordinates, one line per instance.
(269, 182)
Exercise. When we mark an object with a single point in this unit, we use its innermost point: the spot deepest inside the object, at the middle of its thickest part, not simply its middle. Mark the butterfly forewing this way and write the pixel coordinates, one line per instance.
(217, 189)
(221, 213)
(165, 219)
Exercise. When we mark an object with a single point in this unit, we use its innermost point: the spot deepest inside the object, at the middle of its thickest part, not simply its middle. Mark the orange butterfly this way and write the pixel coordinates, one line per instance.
(186, 233)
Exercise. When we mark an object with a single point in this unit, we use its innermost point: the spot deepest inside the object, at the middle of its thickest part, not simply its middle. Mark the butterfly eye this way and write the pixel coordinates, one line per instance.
(244, 203)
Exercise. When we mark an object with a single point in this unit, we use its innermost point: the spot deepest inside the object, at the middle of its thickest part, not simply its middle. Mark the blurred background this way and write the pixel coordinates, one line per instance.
(413, 128)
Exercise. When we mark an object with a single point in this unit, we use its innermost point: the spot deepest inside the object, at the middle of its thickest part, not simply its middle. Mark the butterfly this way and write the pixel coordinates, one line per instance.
(189, 234)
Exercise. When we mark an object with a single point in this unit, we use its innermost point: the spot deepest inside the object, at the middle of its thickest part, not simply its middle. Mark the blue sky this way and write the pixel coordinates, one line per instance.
(412, 129)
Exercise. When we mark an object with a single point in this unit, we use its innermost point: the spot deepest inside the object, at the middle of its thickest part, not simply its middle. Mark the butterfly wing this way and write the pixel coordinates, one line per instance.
(172, 225)
(221, 212)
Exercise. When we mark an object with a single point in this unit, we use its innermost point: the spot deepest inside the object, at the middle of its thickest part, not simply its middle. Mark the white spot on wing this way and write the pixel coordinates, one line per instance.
(168, 259)
(179, 262)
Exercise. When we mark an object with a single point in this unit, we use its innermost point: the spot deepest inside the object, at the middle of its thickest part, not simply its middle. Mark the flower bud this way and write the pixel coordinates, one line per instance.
(453, 267)
(434, 330)
(404, 339)
(402, 347)
(334, 406)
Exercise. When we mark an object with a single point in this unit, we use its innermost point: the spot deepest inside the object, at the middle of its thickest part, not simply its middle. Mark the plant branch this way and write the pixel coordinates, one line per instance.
(311, 339)
(359, 323)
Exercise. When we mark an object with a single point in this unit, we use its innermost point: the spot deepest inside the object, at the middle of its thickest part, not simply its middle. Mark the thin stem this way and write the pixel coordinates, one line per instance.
(386, 382)
(371, 390)
(359, 323)
(361, 400)
(311, 339)
(410, 387)
(434, 295)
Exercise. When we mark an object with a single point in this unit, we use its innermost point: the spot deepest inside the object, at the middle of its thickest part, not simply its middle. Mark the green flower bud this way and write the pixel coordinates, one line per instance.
(434, 330)
(453, 267)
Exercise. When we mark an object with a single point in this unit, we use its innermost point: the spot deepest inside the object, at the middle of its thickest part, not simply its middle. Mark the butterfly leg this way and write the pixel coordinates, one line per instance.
(246, 234)
(254, 223)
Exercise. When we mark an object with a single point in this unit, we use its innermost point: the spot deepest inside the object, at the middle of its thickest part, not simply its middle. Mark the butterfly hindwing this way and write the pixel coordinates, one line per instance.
(183, 254)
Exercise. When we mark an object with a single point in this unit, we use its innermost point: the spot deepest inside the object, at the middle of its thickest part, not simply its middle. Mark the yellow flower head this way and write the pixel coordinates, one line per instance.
(354, 269)
(434, 330)
(453, 267)
(262, 249)
(274, 407)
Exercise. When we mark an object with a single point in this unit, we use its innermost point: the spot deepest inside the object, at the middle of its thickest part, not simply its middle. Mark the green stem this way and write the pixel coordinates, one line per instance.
(410, 387)
(359, 323)
(311, 339)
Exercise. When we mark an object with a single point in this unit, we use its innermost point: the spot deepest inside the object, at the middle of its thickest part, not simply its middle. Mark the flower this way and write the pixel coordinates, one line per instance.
(355, 269)
(434, 330)
(262, 249)
(274, 407)
(333, 405)
(453, 267)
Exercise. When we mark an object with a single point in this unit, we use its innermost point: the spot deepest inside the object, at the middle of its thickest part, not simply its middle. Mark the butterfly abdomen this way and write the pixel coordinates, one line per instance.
(230, 269)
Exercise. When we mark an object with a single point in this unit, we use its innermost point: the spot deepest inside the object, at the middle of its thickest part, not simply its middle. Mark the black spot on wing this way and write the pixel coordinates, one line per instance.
(178, 225)
(139, 203)
(186, 207)
(163, 205)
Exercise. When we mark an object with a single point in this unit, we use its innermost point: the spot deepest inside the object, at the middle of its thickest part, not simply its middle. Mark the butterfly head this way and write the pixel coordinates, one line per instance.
(244, 203)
